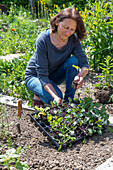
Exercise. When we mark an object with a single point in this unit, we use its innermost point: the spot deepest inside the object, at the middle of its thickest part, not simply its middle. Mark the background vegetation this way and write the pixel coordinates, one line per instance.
(50, 3)
(20, 30)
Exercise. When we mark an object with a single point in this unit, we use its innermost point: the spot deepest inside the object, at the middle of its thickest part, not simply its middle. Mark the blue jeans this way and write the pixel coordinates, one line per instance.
(65, 73)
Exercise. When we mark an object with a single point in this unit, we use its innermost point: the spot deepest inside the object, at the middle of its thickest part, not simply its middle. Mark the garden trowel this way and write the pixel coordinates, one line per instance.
(19, 112)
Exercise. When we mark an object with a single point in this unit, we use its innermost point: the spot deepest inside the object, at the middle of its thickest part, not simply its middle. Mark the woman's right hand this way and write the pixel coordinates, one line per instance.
(58, 100)
(49, 88)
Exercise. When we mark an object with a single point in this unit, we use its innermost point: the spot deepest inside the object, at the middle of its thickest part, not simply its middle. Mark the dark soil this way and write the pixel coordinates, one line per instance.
(103, 95)
(43, 155)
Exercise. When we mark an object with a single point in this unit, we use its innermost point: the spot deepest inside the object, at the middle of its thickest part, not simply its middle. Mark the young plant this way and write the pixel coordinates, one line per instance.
(72, 121)
(4, 124)
(11, 157)
(106, 77)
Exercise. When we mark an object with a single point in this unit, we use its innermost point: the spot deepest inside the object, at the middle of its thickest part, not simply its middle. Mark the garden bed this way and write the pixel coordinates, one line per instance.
(45, 127)
(42, 154)
(69, 122)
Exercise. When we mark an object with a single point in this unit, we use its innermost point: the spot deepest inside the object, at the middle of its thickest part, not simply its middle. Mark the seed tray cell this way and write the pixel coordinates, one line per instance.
(45, 127)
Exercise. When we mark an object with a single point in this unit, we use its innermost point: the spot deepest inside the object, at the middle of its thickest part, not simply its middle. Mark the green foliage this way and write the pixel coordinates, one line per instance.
(16, 2)
(11, 156)
(50, 3)
(20, 34)
(80, 4)
(106, 77)
(13, 77)
(4, 124)
(70, 121)
(99, 25)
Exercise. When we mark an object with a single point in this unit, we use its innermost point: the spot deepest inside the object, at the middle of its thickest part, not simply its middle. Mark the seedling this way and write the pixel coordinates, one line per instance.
(4, 124)
(73, 121)
(10, 157)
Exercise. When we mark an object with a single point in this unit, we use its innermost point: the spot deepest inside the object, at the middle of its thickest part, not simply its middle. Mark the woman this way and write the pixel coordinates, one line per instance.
(56, 51)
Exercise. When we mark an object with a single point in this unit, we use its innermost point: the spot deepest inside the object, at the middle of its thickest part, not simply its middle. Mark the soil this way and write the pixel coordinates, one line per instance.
(103, 95)
(42, 153)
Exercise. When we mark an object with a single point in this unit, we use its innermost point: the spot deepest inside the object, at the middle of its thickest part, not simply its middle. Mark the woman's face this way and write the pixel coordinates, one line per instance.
(66, 28)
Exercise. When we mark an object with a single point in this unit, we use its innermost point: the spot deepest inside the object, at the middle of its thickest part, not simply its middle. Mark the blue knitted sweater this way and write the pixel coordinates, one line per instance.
(47, 58)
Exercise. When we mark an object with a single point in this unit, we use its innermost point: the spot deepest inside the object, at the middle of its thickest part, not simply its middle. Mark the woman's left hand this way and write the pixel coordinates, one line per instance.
(78, 81)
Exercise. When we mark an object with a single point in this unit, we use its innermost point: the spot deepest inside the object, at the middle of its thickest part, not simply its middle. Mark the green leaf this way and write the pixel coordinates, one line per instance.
(97, 104)
(80, 123)
(49, 117)
(59, 147)
(72, 132)
(21, 166)
(106, 117)
(60, 134)
(99, 132)
(100, 126)
(84, 141)
(108, 122)
(109, 129)
(94, 130)
(38, 108)
(35, 116)
(90, 131)
(60, 119)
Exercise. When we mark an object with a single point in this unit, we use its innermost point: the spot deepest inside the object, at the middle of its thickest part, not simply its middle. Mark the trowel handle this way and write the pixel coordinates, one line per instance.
(19, 108)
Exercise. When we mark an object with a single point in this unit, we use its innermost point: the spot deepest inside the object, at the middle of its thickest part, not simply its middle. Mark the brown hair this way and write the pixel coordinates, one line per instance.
(71, 13)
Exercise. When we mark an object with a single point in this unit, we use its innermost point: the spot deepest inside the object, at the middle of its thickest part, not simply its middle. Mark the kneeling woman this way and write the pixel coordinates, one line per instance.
(56, 51)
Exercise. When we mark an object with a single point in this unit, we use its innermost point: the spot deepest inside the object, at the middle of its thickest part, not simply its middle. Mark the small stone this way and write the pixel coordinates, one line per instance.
(56, 162)
(75, 164)
(52, 165)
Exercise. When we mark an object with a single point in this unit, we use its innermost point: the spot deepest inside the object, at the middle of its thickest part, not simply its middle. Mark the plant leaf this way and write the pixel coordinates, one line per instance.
(109, 129)
(90, 131)
(21, 166)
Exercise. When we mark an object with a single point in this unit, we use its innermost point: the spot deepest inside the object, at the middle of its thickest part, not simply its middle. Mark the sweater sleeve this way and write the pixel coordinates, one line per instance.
(41, 61)
(80, 55)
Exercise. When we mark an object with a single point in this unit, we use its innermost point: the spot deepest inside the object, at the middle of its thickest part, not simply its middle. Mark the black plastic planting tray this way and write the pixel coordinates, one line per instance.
(44, 126)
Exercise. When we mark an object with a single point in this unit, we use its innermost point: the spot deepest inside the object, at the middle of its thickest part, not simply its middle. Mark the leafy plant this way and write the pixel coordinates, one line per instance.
(97, 18)
(12, 76)
(4, 124)
(10, 157)
(106, 77)
(72, 121)
(21, 29)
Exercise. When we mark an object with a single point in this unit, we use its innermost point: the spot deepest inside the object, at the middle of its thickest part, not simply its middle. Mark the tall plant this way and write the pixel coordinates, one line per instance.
(99, 23)
(106, 77)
